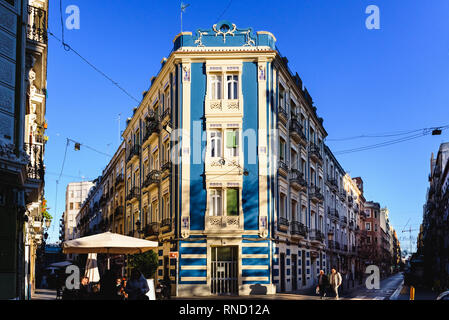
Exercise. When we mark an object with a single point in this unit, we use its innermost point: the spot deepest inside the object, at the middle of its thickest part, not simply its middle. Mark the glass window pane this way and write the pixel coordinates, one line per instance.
(232, 202)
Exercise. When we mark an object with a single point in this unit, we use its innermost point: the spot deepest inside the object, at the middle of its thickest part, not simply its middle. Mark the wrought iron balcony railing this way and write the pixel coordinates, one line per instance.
(119, 179)
(134, 193)
(35, 168)
(153, 177)
(133, 151)
(296, 132)
(316, 194)
(152, 229)
(297, 228)
(166, 166)
(333, 212)
(297, 179)
(119, 211)
(37, 25)
(316, 235)
(315, 152)
(152, 127)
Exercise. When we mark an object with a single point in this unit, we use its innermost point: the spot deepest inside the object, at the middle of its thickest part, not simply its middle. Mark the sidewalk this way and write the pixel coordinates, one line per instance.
(420, 294)
(44, 294)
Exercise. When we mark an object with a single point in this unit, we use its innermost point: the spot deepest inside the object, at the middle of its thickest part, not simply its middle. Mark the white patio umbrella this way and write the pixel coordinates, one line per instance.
(92, 268)
(110, 243)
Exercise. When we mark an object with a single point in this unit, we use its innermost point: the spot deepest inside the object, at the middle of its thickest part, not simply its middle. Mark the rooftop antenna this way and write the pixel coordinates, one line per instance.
(183, 8)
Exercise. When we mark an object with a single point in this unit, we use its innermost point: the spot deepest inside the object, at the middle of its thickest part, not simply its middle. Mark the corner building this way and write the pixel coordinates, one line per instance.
(224, 164)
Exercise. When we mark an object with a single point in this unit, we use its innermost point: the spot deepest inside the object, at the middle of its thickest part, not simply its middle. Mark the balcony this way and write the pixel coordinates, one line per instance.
(333, 213)
(152, 127)
(315, 153)
(283, 224)
(218, 224)
(103, 199)
(282, 114)
(332, 182)
(296, 132)
(165, 114)
(297, 180)
(223, 108)
(153, 177)
(166, 225)
(35, 168)
(119, 211)
(316, 236)
(151, 229)
(342, 194)
(119, 180)
(315, 194)
(351, 224)
(166, 166)
(350, 201)
(133, 194)
(298, 229)
(283, 168)
(37, 25)
(133, 151)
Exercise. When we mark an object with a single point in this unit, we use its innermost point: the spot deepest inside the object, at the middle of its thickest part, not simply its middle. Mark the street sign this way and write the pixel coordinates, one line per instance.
(174, 255)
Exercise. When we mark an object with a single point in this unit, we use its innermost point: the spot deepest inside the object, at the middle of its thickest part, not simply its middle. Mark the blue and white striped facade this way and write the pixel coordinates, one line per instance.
(279, 225)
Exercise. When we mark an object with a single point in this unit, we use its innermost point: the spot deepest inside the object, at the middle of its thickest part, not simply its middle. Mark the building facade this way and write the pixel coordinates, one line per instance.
(224, 164)
(433, 241)
(76, 193)
(23, 75)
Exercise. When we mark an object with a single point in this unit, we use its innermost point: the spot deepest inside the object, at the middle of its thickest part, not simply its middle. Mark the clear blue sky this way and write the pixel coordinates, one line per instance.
(362, 81)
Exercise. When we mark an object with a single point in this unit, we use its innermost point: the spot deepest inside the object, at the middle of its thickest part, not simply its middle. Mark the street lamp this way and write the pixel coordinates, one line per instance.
(47, 223)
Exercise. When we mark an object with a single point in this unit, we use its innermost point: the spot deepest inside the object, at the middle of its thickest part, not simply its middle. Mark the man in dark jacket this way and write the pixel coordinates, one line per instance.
(323, 283)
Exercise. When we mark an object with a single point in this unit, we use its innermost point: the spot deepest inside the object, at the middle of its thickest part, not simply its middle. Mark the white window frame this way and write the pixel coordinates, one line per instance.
(233, 80)
(216, 202)
(216, 86)
(216, 143)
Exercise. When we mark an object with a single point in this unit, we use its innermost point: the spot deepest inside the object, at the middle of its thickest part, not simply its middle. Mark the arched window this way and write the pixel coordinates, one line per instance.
(215, 144)
(215, 202)
(216, 87)
(232, 82)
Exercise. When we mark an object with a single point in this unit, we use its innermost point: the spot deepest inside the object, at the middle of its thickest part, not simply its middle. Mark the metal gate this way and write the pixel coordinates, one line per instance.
(224, 272)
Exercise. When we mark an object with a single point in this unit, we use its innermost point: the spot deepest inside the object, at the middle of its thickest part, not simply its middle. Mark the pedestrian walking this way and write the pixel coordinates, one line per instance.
(137, 286)
(335, 281)
(323, 283)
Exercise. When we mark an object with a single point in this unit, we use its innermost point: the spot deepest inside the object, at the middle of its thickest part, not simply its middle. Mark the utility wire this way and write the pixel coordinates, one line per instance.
(224, 11)
(390, 142)
(67, 47)
(389, 134)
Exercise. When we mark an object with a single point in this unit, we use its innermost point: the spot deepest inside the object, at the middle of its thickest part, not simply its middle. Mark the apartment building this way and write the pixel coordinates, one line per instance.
(223, 163)
(433, 241)
(23, 75)
(76, 193)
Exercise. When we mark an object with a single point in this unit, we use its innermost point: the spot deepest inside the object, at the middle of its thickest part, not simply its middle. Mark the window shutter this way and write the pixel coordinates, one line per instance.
(230, 139)
(232, 202)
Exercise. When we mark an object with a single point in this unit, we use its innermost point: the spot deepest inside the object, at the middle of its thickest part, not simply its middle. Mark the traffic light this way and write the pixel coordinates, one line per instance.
(77, 146)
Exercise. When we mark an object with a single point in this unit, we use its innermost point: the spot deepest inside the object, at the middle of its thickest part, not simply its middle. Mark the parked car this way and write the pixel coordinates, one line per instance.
(443, 296)
(414, 272)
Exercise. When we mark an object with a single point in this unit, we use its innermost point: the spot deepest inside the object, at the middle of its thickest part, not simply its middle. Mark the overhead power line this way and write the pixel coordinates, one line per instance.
(423, 132)
(224, 11)
(67, 47)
